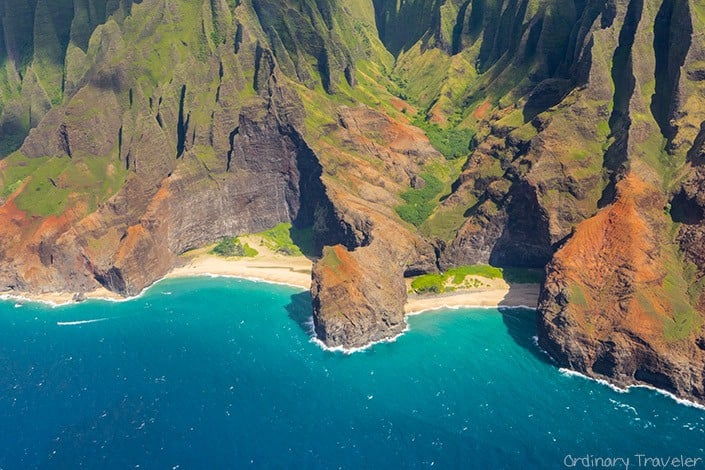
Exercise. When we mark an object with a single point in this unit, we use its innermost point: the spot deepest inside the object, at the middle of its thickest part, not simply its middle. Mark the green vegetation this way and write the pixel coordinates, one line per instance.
(330, 258)
(52, 182)
(428, 283)
(42, 195)
(18, 168)
(457, 278)
(452, 142)
(577, 296)
(445, 221)
(288, 240)
(686, 320)
(419, 203)
(229, 247)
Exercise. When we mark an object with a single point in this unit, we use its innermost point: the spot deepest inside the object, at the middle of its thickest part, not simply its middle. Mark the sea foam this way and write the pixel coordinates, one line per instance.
(679, 400)
(80, 322)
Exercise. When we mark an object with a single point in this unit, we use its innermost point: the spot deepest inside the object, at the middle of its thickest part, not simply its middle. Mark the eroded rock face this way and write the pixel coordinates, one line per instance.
(604, 308)
(619, 301)
(353, 305)
(358, 286)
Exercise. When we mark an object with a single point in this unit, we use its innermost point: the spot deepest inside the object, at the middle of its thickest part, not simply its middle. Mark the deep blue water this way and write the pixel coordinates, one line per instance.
(220, 373)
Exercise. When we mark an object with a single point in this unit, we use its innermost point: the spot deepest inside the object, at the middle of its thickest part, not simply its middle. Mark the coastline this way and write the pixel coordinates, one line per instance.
(295, 271)
(498, 294)
(267, 266)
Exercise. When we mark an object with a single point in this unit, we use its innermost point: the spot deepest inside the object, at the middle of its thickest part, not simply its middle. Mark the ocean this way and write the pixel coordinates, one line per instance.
(222, 373)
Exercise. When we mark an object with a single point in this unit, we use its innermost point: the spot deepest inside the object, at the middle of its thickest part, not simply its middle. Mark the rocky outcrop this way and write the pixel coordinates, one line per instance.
(606, 310)
(184, 162)
(620, 302)
(358, 286)
(354, 305)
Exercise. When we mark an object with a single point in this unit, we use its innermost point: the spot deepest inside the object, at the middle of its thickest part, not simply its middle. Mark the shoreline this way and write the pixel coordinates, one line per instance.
(295, 271)
(498, 295)
(515, 296)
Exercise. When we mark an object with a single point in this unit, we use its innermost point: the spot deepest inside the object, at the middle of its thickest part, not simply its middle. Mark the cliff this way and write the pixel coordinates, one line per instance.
(408, 136)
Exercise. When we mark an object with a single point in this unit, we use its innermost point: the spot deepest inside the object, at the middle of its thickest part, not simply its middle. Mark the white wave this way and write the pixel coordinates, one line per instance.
(535, 340)
(348, 351)
(20, 300)
(53, 304)
(468, 307)
(451, 307)
(679, 400)
(573, 373)
(80, 322)
(245, 278)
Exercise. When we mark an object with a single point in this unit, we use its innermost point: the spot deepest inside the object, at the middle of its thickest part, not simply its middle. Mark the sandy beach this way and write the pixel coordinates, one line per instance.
(516, 295)
(295, 271)
(266, 266)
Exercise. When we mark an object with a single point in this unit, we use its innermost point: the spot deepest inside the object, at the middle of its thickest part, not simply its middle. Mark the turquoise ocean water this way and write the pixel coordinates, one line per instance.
(221, 373)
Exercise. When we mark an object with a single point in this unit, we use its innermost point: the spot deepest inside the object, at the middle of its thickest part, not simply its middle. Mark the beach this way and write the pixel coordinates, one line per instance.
(270, 266)
(267, 266)
(500, 294)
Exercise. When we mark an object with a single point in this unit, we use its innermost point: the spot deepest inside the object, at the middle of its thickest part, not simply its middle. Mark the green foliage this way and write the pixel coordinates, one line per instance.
(52, 182)
(456, 278)
(428, 283)
(216, 37)
(452, 142)
(483, 270)
(229, 247)
(18, 167)
(686, 320)
(419, 203)
(445, 221)
(12, 139)
(287, 240)
(42, 195)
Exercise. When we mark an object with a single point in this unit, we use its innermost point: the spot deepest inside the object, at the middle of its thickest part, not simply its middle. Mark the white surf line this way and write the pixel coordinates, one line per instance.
(80, 322)
(348, 351)
(242, 278)
(26, 298)
(628, 388)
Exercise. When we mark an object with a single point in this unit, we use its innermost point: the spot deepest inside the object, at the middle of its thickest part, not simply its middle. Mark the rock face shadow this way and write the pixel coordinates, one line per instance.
(521, 322)
(300, 310)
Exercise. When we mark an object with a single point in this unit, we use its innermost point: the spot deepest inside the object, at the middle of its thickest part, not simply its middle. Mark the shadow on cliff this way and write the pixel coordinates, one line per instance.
(521, 322)
(299, 309)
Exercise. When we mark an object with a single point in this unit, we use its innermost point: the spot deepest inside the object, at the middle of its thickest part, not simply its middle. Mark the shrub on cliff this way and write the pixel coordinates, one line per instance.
(229, 247)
